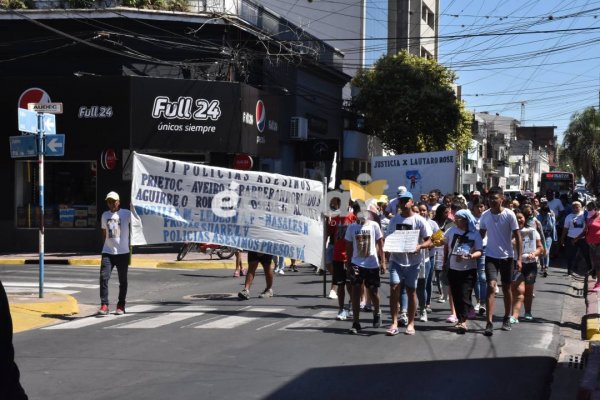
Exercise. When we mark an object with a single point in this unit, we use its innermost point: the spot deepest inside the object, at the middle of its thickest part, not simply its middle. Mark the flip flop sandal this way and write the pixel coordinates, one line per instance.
(410, 331)
(392, 332)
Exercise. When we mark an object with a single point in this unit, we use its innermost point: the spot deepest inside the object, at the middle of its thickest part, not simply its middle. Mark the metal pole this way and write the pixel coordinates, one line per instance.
(41, 149)
(323, 263)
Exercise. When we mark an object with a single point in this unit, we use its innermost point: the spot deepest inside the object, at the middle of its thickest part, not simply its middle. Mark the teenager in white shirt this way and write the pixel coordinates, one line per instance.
(572, 229)
(500, 225)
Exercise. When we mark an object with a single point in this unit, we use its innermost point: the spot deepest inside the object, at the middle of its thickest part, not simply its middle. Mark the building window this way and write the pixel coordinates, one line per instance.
(69, 194)
(430, 19)
(424, 12)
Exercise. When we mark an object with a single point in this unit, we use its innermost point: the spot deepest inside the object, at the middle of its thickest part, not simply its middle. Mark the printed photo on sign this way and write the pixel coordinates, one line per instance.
(363, 244)
(402, 241)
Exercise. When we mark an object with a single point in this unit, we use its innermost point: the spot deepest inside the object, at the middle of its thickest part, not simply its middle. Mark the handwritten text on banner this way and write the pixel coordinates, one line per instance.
(175, 201)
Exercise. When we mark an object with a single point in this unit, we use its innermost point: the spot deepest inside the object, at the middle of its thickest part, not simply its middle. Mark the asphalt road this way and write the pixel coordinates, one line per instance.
(176, 344)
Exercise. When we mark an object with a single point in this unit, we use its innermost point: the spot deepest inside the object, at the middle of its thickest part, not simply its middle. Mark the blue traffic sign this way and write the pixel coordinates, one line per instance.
(55, 145)
(28, 120)
(23, 146)
(48, 124)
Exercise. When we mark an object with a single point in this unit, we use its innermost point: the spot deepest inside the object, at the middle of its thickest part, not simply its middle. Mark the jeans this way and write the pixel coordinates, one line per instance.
(109, 261)
(424, 285)
(481, 283)
(461, 286)
(280, 263)
(10, 387)
(429, 279)
(546, 258)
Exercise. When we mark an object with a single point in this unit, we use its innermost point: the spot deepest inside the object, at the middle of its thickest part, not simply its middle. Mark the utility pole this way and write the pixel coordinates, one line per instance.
(523, 113)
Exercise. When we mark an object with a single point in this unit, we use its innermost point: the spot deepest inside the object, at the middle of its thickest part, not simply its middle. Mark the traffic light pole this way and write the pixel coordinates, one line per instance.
(41, 147)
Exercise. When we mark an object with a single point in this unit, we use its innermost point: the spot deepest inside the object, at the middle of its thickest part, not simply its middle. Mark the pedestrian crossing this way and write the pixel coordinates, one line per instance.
(150, 316)
(56, 287)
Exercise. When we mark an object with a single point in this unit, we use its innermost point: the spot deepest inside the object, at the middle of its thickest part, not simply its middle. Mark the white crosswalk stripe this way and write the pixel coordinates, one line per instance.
(177, 315)
(321, 319)
(83, 322)
(234, 321)
(149, 316)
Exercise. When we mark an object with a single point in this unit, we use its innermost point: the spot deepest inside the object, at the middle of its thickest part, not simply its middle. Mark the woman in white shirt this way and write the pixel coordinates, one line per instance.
(572, 229)
(523, 282)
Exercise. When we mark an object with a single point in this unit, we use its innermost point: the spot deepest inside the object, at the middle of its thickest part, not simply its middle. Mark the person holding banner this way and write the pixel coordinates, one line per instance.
(254, 258)
(364, 249)
(408, 233)
(115, 252)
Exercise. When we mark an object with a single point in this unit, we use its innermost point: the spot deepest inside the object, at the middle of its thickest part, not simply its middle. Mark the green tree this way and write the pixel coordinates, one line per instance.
(582, 146)
(409, 103)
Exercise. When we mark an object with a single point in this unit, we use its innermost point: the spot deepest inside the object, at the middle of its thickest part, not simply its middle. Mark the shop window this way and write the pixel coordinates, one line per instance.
(69, 194)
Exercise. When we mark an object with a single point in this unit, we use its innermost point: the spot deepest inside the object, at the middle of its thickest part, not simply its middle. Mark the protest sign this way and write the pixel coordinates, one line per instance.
(175, 201)
(402, 241)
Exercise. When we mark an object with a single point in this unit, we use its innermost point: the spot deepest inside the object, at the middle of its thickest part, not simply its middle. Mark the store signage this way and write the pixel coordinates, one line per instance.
(108, 159)
(95, 112)
(243, 162)
(50, 108)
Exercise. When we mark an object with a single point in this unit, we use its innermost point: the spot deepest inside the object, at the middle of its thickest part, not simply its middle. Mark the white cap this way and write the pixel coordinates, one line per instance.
(401, 190)
(113, 195)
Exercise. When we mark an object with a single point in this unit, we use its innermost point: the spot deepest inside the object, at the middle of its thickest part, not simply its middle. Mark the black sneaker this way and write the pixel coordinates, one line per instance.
(544, 274)
(355, 328)
(481, 311)
(489, 329)
(506, 326)
(377, 320)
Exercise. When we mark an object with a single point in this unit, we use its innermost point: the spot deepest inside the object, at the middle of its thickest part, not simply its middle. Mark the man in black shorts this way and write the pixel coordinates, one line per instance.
(501, 226)
(253, 259)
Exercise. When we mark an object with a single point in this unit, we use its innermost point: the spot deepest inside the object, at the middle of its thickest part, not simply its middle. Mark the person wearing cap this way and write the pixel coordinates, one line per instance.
(548, 220)
(404, 266)
(115, 225)
(392, 207)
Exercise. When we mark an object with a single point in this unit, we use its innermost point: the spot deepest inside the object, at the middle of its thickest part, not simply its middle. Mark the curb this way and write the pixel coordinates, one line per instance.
(31, 313)
(135, 263)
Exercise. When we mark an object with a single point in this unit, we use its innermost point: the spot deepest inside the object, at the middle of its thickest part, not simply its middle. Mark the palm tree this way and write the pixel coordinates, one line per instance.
(582, 145)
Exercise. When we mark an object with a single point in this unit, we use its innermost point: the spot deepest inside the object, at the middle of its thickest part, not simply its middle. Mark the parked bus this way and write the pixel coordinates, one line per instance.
(562, 182)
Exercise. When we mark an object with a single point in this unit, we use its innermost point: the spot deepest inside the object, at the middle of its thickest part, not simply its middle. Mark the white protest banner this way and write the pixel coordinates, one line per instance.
(419, 172)
(402, 241)
(175, 201)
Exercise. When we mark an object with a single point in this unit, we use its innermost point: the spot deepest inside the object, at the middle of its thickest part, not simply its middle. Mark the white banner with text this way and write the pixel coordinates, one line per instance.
(176, 201)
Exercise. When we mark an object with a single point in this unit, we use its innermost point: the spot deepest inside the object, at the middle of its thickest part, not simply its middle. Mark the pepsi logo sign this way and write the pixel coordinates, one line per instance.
(261, 116)
(33, 95)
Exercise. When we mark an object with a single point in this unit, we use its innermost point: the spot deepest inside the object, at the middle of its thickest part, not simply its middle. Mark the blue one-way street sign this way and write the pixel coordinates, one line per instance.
(55, 145)
(28, 120)
(49, 124)
(23, 146)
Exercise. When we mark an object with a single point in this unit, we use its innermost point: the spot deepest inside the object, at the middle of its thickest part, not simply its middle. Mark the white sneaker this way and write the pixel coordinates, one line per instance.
(477, 307)
(332, 295)
(441, 300)
(423, 316)
(403, 319)
(280, 272)
(342, 315)
(497, 290)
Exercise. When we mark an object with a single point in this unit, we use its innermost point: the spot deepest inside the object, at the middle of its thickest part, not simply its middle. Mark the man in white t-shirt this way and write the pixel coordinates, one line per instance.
(404, 267)
(115, 252)
(501, 226)
(364, 249)
(555, 204)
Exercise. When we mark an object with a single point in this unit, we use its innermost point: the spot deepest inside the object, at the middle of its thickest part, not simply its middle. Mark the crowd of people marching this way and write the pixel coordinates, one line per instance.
(465, 248)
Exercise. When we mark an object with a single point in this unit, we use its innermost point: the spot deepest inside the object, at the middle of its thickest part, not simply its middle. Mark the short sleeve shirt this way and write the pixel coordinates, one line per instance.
(529, 236)
(575, 224)
(499, 229)
(337, 229)
(364, 238)
(414, 222)
(116, 225)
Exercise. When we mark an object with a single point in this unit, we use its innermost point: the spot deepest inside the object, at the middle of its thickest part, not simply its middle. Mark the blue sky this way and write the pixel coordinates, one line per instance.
(555, 73)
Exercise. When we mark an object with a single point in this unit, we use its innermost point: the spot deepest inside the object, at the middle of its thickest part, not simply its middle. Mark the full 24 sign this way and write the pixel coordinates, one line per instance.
(186, 108)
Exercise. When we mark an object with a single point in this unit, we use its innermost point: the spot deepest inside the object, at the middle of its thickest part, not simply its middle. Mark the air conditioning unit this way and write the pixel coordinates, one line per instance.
(299, 128)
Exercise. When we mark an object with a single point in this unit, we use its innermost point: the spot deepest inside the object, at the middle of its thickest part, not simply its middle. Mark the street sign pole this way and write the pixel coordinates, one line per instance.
(41, 148)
